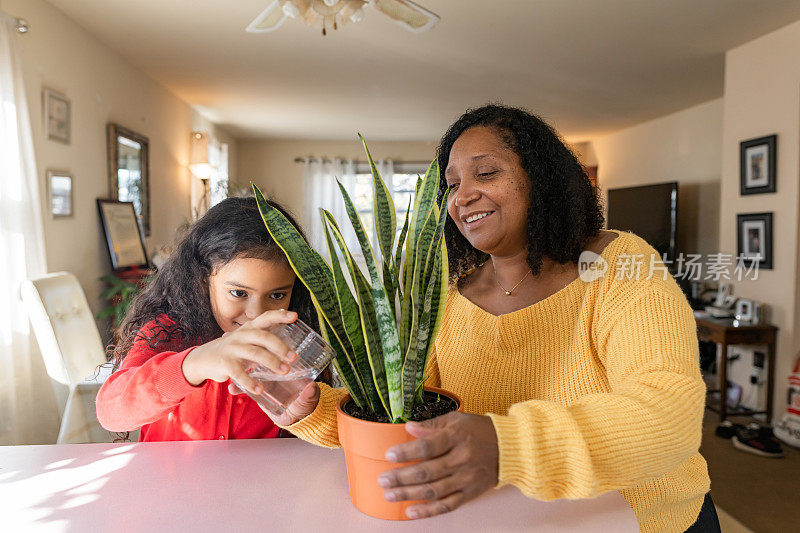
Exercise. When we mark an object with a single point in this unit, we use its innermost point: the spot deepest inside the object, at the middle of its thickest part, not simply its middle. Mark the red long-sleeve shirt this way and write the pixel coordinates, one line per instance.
(149, 391)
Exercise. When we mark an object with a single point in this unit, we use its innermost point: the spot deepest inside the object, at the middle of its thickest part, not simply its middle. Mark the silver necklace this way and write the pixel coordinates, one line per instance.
(507, 291)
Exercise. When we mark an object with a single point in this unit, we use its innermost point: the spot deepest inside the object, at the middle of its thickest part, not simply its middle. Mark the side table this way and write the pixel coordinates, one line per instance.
(727, 332)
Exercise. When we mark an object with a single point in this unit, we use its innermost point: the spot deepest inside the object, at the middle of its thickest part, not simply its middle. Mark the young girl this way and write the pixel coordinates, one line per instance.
(188, 332)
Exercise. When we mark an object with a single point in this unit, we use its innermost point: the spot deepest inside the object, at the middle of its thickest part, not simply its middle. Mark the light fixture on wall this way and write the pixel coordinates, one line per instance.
(199, 164)
(22, 26)
(332, 14)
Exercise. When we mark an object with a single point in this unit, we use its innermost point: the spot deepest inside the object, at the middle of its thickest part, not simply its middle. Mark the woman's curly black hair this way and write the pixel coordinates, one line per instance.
(233, 228)
(565, 211)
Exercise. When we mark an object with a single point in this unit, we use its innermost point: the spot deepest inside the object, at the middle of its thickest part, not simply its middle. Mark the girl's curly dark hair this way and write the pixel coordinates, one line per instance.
(233, 228)
(565, 211)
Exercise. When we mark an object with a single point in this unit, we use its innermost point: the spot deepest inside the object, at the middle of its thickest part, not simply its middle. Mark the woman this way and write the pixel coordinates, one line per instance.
(588, 377)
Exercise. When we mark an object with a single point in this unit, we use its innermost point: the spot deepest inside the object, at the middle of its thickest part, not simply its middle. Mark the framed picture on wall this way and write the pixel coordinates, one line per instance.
(59, 193)
(57, 116)
(757, 165)
(129, 170)
(754, 238)
(123, 234)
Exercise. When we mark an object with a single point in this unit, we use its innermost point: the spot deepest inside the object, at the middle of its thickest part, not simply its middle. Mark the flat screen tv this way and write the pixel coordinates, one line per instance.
(649, 211)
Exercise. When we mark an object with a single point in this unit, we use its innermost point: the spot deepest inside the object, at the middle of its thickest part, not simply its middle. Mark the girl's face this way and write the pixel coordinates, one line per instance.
(490, 192)
(243, 288)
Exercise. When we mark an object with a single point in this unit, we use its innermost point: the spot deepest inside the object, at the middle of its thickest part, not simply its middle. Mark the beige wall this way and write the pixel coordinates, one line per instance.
(762, 97)
(103, 87)
(683, 147)
(270, 163)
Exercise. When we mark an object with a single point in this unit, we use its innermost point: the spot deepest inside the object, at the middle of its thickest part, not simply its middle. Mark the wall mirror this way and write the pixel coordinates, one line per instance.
(128, 171)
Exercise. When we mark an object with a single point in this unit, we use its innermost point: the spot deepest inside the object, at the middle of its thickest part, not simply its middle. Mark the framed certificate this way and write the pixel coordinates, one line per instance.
(123, 234)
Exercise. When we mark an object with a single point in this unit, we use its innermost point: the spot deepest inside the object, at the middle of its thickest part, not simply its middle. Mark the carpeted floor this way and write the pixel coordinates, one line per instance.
(729, 524)
(761, 493)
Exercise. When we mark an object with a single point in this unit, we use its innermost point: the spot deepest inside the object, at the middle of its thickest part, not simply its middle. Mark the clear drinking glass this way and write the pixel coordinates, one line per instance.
(313, 355)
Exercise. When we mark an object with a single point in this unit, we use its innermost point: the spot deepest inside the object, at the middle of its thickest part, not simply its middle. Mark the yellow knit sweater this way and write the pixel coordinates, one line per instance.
(595, 388)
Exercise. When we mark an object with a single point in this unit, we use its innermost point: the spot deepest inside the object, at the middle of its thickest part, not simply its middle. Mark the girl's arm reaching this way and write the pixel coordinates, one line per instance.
(148, 384)
(153, 380)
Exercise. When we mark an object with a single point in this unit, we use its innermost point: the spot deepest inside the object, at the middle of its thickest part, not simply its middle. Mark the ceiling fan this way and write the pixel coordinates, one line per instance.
(328, 14)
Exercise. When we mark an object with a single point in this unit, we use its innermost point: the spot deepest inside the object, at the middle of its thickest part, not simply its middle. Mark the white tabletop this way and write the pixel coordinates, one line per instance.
(241, 485)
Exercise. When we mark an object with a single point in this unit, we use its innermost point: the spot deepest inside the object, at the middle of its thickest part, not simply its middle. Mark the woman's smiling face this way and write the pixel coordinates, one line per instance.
(490, 192)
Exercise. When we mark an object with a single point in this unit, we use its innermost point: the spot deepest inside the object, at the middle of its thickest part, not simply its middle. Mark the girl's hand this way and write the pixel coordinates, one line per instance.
(221, 359)
(459, 462)
(303, 406)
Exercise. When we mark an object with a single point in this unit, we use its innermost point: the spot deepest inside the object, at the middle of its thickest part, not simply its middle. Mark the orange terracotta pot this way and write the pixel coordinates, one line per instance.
(365, 444)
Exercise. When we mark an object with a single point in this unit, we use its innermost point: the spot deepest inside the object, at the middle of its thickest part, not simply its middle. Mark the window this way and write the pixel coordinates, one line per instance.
(218, 181)
(129, 173)
(401, 185)
(210, 183)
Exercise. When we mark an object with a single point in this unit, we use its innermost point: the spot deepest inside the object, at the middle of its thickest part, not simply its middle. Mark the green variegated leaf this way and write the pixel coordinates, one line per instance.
(392, 357)
(389, 286)
(399, 250)
(314, 273)
(383, 209)
(350, 315)
(432, 292)
(423, 333)
(437, 306)
(425, 199)
(360, 325)
(412, 235)
(343, 366)
(373, 341)
(430, 256)
(405, 320)
(416, 294)
(385, 223)
(424, 203)
(339, 339)
(428, 245)
(425, 254)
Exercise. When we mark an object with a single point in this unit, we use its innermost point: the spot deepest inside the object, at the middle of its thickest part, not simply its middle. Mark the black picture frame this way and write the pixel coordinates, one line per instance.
(757, 165)
(123, 234)
(754, 235)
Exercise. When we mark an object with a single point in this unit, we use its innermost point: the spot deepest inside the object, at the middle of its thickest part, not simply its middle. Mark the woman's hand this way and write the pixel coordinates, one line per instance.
(223, 358)
(459, 462)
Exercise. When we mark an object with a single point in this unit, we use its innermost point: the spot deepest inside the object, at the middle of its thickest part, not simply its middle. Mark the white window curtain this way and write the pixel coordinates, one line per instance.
(218, 182)
(21, 250)
(386, 168)
(320, 190)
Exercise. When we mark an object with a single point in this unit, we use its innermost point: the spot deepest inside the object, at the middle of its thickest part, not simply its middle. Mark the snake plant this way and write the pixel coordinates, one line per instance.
(380, 356)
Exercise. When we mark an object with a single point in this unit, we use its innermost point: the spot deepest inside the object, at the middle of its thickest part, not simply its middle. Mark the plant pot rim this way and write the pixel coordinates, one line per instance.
(354, 420)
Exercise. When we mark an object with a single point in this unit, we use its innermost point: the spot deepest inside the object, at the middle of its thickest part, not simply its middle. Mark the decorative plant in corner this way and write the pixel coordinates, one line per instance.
(120, 294)
(380, 356)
